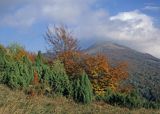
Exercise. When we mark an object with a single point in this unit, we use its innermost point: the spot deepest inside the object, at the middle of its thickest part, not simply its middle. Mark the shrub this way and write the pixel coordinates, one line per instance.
(105, 96)
(132, 100)
(2, 63)
(58, 79)
(82, 89)
(14, 73)
(18, 74)
(151, 104)
(41, 68)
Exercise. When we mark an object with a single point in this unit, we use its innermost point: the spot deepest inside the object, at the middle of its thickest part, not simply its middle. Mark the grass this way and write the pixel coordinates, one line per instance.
(16, 102)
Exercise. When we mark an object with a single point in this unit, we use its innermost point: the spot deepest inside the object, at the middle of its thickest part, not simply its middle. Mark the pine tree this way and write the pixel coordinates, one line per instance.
(39, 66)
(18, 74)
(38, 60)
(82, 89)
(59, 80)
(2, 62)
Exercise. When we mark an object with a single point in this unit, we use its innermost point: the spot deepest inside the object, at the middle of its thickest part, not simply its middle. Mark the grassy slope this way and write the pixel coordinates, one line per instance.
(16, 102)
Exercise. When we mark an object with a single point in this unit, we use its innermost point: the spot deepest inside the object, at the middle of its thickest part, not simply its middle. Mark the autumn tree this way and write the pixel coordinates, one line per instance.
(72, 62)
(118, 73)
(66, 48)
(102, 74)
(97, 68)
(61, 40)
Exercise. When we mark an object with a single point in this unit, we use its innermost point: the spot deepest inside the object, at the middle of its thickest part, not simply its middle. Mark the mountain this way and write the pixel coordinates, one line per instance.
(144, 69)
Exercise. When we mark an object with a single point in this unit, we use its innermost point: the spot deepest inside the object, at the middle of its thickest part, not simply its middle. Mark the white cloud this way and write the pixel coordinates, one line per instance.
(134, 24)
(138, 31)
(134, 28)
(135, 18)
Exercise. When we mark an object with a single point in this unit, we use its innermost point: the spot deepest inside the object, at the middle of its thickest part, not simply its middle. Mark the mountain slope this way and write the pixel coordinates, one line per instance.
(144, 69)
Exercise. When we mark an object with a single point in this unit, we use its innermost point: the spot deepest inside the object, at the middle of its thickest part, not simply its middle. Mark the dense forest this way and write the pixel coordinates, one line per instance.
(70, 72)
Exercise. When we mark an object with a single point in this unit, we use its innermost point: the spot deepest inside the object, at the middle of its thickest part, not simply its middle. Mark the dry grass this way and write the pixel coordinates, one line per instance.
(16, 102)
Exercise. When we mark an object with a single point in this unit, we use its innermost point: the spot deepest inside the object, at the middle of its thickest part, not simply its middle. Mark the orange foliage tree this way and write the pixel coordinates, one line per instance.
(97, 68)
(72, 61)
(22, 53)
(118, 73)
(102, 74)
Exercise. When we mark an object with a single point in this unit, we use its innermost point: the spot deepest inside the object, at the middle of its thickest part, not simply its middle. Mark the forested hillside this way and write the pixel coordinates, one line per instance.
(144, 73)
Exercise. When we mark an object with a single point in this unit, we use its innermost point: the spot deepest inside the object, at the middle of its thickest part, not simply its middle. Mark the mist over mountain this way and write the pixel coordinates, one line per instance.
(144, 69)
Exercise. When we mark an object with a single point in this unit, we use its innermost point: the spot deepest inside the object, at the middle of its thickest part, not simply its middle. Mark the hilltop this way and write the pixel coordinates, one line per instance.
(143, 68)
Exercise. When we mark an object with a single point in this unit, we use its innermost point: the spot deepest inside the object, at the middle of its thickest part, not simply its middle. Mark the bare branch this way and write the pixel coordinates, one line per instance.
(60, 39)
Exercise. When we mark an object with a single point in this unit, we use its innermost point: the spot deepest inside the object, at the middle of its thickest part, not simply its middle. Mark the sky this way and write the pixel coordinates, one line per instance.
(133, 23)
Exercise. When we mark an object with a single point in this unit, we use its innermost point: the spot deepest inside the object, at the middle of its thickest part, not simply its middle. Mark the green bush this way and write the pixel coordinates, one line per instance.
(151, 104)
(15, 74)
(41, 68)
(82, 89)
(5, 62)
(132, 100)
(58, 79)
(18, 74)
(2, 63)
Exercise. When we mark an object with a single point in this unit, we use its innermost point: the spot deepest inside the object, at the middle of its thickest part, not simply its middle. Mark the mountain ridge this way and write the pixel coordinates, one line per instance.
(143, 67)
